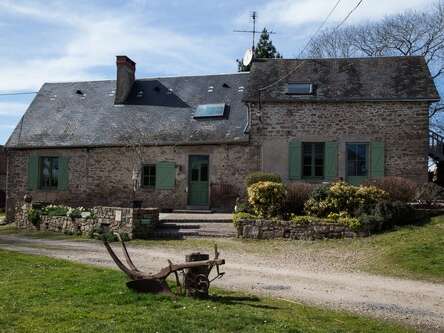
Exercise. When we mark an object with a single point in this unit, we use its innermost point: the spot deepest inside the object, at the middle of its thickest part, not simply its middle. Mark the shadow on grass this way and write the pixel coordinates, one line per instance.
(251, 301)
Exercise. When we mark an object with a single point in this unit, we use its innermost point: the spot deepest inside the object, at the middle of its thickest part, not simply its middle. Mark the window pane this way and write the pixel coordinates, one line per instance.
(307, 171)
(149, 175)
(319, 171)
(204, 172)
(55, 172)
(299, 88)
(49, 172)
(357, 159)
(195, 175)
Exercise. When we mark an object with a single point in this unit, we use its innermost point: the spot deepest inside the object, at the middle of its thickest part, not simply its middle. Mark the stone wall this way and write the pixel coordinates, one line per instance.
(402, 126)
(267, 229)
(2, 177)
(136, 223)
(103, 176)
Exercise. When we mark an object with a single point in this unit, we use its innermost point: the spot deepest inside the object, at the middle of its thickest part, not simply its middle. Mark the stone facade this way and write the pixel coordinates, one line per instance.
(2, 177)
(402, 126)
(136, 223)
(103, 176)
(267, 229)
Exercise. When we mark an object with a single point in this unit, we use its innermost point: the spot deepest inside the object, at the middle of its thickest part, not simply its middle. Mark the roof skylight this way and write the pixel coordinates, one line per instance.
(210, 111)
(300, 88)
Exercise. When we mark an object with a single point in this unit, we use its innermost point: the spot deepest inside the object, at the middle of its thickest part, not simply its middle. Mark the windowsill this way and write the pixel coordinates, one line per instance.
(318, 178)
(147, 188)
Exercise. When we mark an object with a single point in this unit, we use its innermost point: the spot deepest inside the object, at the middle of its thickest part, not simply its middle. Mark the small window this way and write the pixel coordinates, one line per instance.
(300, 88)
(357, 159)
(313, 159)
(210, 111)
(149, 175)
(49, 172)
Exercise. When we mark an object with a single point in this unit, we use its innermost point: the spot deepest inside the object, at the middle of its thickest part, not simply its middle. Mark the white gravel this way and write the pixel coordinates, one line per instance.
(293, 276)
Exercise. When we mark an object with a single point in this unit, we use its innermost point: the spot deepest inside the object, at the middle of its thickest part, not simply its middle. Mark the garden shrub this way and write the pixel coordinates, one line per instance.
(256, 177)
(398, 188)
(242, 216)
(55, 210)
(297, 195)
(428, 194)
(79, 212)
(266, 198)
(242, 206)
(342, 197)
(394, 213)
(304, 219)
(34, 216)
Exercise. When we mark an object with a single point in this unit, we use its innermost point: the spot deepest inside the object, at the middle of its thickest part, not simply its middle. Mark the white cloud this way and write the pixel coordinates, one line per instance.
(293, 13)
(12, 108)
(98, 36)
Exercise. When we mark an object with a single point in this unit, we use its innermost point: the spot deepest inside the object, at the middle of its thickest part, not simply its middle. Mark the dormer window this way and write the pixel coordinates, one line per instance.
(299, 88)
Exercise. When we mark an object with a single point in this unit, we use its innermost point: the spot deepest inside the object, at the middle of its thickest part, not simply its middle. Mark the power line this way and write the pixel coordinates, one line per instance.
(303, 61)
(319, 28)
(19, 93)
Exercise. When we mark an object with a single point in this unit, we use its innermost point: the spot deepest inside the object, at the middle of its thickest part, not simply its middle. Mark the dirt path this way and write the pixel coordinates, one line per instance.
(295, 277)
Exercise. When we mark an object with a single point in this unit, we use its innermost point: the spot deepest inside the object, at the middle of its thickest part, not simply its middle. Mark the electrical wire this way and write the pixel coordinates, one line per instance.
(303, 61)
(19, 93)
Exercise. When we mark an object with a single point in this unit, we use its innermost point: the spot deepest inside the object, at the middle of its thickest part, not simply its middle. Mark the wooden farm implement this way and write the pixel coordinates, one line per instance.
(195, 273)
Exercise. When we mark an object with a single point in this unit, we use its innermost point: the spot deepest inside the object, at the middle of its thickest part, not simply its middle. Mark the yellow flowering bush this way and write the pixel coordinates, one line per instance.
(266, 198)
(343, 198)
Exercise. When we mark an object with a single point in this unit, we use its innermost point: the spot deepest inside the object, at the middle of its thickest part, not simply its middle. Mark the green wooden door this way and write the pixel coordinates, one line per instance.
(198, 174)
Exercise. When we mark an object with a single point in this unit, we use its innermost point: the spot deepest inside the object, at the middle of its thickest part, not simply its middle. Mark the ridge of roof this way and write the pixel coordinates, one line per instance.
(151, 78)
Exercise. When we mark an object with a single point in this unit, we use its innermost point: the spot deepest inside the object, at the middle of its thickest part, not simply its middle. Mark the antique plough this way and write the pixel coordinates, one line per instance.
(195, 272)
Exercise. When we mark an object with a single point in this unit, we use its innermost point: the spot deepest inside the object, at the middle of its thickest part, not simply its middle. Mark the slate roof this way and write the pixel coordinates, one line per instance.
(61, 116)
(343, 79)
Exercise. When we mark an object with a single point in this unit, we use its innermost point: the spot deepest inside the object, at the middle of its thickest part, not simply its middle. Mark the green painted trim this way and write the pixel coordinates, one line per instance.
(331, 160)
(294, 160)
(377, 159)
(165, 175)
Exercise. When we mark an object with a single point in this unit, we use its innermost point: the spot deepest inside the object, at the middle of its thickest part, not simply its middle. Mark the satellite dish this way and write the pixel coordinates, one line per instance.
(248, 57)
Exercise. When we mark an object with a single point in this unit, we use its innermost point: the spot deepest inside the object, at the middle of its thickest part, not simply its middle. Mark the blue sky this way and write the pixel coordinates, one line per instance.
(55, 41)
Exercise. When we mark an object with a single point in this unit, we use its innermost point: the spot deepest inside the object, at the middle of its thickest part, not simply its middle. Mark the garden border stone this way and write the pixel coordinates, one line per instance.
(279, 229)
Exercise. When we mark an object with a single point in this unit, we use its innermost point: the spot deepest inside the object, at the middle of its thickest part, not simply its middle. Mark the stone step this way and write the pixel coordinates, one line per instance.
(174, 234)
(179, 225)
(192, 211)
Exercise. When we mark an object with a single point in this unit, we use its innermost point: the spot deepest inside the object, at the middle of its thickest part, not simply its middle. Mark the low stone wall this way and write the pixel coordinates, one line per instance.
(135, 222)
(267, 229)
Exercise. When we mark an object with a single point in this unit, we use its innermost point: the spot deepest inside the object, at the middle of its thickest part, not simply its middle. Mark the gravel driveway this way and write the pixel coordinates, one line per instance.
(293, 276)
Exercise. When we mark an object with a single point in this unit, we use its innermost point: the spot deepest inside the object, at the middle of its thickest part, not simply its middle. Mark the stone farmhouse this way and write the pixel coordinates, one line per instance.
(188, 142)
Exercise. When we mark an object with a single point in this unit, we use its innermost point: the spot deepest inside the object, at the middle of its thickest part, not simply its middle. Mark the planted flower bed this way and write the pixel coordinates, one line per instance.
(332, 210)
(97, 221)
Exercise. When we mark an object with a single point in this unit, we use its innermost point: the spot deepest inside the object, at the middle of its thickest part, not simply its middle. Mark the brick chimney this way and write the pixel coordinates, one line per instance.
(126, 70)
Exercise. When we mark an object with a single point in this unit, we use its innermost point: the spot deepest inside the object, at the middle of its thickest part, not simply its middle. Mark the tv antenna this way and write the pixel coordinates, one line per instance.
(254, 31)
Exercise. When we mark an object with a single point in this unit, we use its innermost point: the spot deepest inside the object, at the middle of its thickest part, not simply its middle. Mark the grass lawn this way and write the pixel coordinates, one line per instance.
(40, 294)
(411, 251)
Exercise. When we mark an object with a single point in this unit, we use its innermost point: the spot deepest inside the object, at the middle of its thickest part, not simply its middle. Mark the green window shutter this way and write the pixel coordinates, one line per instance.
(33, 173)
(331, 160)
(377, 159)
(165, 175)
(63, 177)
(294, 160)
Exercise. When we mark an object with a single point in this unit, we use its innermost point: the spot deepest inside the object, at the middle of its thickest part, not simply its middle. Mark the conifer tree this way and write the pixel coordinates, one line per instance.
(264, 49)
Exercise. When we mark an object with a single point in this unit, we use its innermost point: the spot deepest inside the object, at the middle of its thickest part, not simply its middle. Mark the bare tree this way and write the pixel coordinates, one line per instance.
(408, 33)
